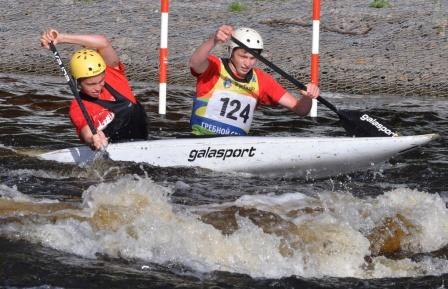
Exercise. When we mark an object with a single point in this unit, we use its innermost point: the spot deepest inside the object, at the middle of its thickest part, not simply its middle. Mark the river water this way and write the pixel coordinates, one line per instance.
(129, 225)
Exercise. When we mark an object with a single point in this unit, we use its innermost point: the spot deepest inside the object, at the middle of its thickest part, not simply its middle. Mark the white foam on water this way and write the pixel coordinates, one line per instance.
(13, 194)
(162, 233)
(134, 218)
(427, 212)
(330, 247)
(8, 147)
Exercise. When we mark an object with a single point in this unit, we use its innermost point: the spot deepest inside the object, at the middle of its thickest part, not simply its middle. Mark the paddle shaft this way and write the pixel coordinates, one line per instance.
(283, 73)
(71, 83)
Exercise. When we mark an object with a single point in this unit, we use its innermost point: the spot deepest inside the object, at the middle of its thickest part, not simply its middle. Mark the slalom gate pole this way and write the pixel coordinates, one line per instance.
(163, 56)
(315, 52)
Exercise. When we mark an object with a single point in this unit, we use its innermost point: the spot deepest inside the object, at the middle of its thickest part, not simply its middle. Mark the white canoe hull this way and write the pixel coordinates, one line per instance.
(297, 156)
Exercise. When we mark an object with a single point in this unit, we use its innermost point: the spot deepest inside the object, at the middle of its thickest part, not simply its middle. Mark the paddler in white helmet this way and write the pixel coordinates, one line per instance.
(104, 90)
(229, 89)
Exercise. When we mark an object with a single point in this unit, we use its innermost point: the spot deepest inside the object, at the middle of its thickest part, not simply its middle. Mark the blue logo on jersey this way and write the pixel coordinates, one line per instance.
(227, 83)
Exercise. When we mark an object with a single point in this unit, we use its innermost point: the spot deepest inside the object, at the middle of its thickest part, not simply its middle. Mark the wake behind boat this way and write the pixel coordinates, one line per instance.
(290, 156)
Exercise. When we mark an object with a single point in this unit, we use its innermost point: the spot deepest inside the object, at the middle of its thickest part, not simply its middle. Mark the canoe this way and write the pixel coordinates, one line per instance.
(288, 156)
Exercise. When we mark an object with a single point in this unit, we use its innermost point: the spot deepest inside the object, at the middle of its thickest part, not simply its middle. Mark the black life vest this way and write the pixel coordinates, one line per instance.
(129, 122)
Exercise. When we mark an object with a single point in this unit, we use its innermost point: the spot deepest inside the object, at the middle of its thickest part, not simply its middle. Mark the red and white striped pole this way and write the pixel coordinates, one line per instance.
(163, 58)
(315, 52)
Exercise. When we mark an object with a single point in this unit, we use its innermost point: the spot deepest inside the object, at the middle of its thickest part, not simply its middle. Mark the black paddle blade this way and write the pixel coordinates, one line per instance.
(361, 124)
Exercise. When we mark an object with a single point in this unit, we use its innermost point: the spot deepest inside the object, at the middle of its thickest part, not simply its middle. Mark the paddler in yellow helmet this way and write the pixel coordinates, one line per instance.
(104, 90)
(229, 89)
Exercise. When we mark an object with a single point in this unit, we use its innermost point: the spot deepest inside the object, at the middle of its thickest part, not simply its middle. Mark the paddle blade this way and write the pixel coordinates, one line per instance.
(361, 124)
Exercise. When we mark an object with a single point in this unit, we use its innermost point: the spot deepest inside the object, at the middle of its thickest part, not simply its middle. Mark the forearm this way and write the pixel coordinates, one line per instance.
(96, 142)
(303, 106)
(299, 106)
(86, 135)
(93, 41)
(199, 59)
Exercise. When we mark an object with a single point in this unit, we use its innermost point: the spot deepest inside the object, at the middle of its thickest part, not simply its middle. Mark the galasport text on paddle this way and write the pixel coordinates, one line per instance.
(355, 123)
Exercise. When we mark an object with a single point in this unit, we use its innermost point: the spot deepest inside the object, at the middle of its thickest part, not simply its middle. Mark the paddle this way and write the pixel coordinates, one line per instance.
(71, 83)
(356, 123)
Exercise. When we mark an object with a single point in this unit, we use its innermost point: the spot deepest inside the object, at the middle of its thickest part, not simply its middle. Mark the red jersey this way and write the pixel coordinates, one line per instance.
(270, 91)
(101, 116)
(224, 104)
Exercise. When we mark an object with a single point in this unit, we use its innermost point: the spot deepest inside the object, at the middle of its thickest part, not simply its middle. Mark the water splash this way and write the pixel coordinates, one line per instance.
(334, 234)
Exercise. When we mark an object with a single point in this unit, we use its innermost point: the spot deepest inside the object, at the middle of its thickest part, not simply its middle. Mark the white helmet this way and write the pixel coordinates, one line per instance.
(248, 36)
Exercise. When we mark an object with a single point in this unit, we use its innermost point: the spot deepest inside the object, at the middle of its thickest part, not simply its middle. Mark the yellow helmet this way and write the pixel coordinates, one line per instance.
(86, 63)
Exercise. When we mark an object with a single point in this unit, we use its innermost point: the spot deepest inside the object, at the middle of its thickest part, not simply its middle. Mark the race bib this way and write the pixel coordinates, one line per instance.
(231, 108)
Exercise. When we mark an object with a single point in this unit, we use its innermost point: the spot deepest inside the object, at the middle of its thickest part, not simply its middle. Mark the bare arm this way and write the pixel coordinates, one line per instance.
(93, 41)
(97, 141)
(303, 105)
(198, 61)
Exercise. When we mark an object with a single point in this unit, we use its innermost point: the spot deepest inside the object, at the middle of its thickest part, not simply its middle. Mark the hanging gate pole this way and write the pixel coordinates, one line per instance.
(315, 52)
(163, 56)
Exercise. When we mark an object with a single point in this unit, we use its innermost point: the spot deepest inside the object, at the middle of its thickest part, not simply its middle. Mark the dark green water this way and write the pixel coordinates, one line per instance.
(33, 119)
